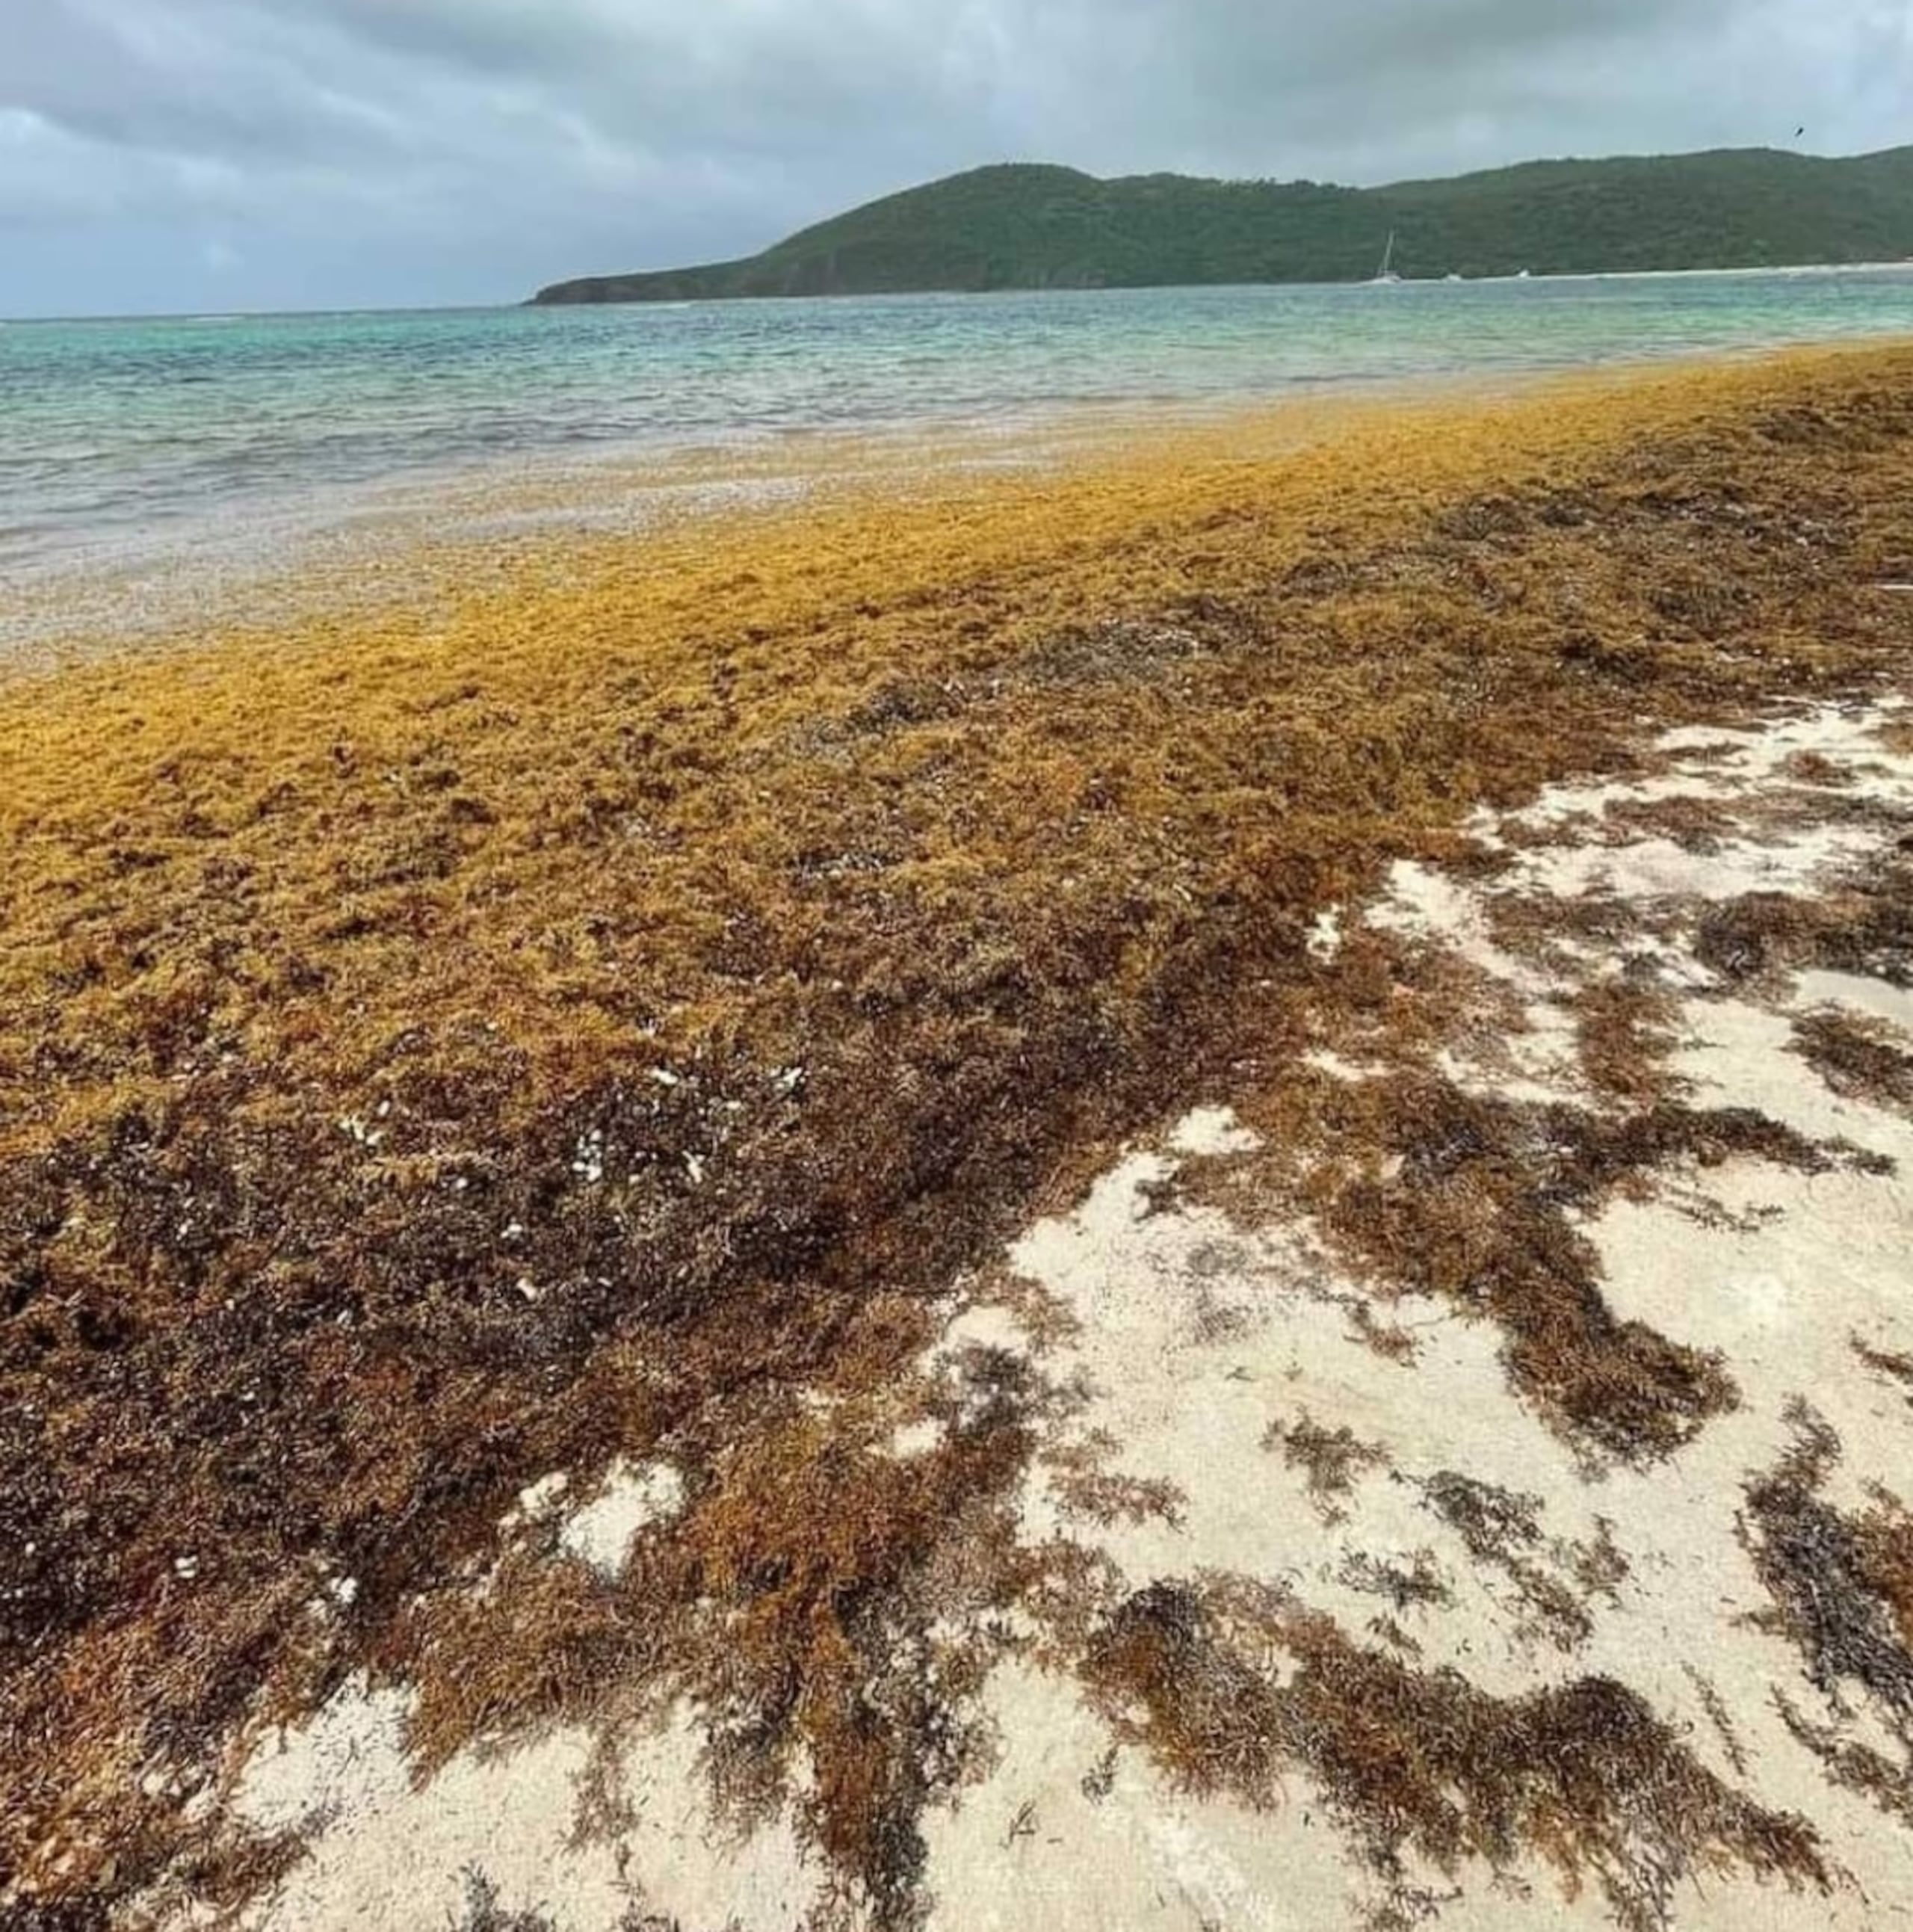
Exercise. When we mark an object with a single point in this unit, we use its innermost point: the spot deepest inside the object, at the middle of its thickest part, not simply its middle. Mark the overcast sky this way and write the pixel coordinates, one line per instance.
(194, 154)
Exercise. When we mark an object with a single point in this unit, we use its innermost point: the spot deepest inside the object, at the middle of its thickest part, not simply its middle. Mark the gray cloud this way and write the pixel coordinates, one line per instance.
(199, 153)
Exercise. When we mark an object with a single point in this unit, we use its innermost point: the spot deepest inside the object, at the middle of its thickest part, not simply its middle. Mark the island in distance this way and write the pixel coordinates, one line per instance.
(1031, 226)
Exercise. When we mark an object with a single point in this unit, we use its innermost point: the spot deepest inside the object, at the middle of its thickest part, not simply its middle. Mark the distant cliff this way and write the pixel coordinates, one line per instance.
(1038, 227)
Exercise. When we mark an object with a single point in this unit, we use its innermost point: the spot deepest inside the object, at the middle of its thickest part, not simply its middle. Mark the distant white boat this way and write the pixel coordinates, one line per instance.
(1386, 273)
(1524, 274)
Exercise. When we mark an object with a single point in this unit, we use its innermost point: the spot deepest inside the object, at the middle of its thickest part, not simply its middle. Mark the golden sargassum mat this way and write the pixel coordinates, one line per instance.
(580, 1021)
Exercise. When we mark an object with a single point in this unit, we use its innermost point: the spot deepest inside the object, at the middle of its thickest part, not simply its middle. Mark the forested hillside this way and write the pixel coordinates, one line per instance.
(1031, 227)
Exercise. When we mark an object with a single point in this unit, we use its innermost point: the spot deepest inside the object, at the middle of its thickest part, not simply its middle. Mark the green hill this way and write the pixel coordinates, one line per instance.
(1037, 227)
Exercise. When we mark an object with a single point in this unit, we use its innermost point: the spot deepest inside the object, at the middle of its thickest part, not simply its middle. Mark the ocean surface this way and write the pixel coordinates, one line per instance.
(121, 436)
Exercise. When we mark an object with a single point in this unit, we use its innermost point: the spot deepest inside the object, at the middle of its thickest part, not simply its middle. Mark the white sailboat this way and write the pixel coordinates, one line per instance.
(1386, 273)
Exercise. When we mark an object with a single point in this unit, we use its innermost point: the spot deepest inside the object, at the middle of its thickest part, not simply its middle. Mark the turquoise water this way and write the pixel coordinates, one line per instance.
(115, 430)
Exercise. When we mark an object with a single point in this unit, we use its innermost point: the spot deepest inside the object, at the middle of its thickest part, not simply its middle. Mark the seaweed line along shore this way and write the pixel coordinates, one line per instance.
(1169, 1188)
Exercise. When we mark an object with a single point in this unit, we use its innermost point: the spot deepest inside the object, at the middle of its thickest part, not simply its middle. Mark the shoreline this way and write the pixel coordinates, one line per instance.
(653, 1059)
(1148, 288)
(266, 556)
(420, 534)
(438, 524)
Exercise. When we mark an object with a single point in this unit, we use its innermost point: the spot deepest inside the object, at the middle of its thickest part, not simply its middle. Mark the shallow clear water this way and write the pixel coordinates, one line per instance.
(111, 431)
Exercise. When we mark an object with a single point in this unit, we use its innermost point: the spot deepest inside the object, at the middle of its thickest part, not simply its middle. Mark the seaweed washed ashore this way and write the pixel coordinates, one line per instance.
(511, 1112)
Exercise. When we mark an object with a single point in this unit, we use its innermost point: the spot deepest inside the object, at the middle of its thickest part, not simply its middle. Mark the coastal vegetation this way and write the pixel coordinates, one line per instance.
(592, 1014)
(1022, 226)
